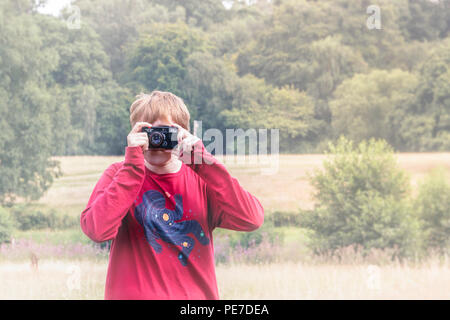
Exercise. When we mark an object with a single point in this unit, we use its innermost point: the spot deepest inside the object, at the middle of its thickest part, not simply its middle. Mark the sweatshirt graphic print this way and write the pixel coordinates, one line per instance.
(162, 223)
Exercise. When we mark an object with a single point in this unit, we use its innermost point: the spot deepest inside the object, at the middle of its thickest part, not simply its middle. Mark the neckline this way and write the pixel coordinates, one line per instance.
(165, 175)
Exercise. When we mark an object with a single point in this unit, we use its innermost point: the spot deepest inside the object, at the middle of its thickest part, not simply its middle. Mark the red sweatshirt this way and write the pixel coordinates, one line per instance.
(161, 225)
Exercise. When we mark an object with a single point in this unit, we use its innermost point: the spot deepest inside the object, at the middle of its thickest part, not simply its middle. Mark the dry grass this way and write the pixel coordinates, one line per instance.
(58, 280)
(288, 190)
(297, 281)
(53, 280)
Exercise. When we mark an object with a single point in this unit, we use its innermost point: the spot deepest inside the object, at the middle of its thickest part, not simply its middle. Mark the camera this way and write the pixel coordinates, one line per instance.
(163, 137)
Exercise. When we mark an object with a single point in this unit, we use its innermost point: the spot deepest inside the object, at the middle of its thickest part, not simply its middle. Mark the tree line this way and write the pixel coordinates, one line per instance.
(313, 69)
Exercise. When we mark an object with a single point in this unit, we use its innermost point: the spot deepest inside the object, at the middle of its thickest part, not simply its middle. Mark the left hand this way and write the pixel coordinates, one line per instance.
(186, 141)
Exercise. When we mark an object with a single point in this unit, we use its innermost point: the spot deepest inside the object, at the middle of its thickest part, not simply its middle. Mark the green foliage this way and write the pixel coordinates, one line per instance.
(6, 226)
(117, 22)
(374, 105)
(362, 199)
(199, 12)
(284, 219)
(248, 239)
(311, 68)
(159, 60)
(258, 105)
(299, 31)
(28, 218)
(433, 208)
(209, 87)
(112, 119)
(428, 120)
(25, 126)
(426, 20)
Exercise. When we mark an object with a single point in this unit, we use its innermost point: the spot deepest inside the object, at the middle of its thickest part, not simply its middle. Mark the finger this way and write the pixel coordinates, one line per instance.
(187, 144)
(182, 133)
(139, 141)
(190, 141)
(139, 125)
(141, 135)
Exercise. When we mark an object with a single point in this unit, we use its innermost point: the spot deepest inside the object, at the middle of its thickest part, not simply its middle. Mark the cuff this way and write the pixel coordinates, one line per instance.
(134, 155)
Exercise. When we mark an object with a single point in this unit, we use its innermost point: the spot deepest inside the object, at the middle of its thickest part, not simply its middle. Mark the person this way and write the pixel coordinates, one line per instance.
(160, 207)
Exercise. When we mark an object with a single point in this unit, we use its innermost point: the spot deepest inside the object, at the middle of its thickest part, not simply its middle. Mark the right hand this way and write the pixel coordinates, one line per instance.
(137, 138)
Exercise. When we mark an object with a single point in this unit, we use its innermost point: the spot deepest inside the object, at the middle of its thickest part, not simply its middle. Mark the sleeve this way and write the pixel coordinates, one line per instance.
(113, 196)
(229, 205)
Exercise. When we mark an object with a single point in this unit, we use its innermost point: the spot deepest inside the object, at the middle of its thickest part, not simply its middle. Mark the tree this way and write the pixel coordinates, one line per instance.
(209, 87)
(258, 105)
(426, 20)
(373, 105)
(361, 200)
(6, 226)
(433, 208)
(199, 12)
(112, 119)
(79, 81)
(118, 24)
(429, 117)
(26, 168)
(282, 49)
(159, 58)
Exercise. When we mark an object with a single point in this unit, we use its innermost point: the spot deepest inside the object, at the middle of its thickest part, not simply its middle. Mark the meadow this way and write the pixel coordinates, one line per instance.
(70, 267)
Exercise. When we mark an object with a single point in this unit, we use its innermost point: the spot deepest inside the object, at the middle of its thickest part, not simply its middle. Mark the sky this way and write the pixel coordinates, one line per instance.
(54, 6)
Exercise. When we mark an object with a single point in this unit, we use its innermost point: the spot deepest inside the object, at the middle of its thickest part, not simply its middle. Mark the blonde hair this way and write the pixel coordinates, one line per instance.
(157, 105)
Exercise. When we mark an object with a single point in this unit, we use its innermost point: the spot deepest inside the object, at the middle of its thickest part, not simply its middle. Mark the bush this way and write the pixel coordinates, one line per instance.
(6, 226)
(28, 218)
(284, 219)
(433, 208)
(362, 201)
(255, 238)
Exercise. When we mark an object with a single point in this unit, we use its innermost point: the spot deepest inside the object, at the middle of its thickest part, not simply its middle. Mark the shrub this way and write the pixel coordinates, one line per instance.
(28, 218)
(61, 221)
(282, 219)
(433, 208)
(254, 238)
(362, 200)
(6, 226)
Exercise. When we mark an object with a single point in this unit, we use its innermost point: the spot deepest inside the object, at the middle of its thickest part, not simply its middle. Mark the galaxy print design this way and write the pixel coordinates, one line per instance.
(161, 223)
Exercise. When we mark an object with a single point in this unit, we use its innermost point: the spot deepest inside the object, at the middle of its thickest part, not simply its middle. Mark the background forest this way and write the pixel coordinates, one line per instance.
(313, 69)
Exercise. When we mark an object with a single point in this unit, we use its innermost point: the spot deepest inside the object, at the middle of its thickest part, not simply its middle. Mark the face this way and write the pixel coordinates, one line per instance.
(159, 157)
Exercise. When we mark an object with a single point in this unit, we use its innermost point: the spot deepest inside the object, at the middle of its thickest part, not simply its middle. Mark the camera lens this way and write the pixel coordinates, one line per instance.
(156, 139)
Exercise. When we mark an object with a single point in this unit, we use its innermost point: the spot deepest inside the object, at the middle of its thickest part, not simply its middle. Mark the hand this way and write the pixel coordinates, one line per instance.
(186, 141)
(137, 138)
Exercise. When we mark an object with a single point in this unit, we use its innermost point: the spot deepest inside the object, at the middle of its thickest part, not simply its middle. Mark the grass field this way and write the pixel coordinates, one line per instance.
(288, 190)
(85, 280)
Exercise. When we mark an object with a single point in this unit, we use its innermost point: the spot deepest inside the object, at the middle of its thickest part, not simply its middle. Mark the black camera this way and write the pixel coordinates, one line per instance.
(163, 137)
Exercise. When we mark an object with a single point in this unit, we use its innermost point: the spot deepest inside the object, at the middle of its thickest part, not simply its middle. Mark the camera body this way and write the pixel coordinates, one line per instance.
(162, 137)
